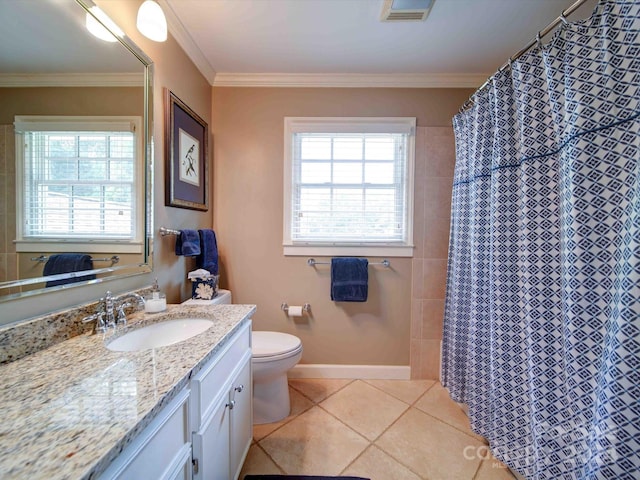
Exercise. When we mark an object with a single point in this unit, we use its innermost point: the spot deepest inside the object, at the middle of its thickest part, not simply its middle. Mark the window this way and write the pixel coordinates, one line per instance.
(79, 177)
(348, 186)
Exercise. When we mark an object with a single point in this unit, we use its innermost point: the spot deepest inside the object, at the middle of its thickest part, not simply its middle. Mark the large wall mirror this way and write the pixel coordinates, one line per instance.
(75, 153)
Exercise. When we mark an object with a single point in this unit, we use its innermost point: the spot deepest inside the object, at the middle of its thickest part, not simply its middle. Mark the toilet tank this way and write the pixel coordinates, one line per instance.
(223, 297)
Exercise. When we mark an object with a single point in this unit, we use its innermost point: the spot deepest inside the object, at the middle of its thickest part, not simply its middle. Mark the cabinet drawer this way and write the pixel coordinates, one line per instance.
(210, 382)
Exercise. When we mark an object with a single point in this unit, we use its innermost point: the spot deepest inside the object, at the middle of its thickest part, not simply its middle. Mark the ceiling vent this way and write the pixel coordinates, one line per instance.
(405, 10)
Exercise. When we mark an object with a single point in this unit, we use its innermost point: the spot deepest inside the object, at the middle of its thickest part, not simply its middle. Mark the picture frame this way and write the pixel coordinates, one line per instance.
(186, 153)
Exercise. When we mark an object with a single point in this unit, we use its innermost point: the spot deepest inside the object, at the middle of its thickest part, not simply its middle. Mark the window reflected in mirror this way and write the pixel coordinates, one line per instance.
(74, 117)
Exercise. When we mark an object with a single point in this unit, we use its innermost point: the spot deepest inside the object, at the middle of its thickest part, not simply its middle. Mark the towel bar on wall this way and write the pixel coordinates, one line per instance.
(168, 231)
(312, 262)
(114, 259)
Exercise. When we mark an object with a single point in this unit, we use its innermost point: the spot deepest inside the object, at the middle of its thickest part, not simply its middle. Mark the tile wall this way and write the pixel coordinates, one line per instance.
(435, 160)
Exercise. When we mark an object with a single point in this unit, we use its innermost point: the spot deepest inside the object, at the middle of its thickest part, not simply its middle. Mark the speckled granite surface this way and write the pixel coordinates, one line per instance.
(25, 338)
(67, 411)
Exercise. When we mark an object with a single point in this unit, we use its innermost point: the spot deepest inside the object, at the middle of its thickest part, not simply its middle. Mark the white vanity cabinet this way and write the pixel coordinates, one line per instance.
(205, 431)
(221, 413)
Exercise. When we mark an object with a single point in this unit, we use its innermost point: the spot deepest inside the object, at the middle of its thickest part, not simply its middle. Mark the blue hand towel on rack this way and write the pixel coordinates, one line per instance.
(65, 263)
(208, 258)
(188, 243)
(349, 279)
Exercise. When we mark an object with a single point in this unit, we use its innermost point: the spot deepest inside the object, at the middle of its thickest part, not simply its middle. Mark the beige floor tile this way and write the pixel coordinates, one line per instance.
(299, 404)
(493, 469)
(377, 465)
(438, 403)
(314, 443)
(258, 463)
(406, 390)
(430, 447)
(366, 409)
(317, 389)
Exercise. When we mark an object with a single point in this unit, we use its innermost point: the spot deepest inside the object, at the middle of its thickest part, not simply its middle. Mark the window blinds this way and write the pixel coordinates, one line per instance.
(349, 188)
(79, 184)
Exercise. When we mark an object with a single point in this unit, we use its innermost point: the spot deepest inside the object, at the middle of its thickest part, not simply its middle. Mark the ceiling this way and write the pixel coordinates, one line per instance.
(51, 38)
(468, 39)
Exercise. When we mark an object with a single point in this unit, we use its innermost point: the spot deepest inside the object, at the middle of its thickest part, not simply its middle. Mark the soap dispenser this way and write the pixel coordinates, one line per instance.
(157, 301)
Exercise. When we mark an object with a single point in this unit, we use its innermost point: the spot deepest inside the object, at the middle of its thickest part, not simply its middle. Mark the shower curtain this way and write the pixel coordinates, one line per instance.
(542, 317)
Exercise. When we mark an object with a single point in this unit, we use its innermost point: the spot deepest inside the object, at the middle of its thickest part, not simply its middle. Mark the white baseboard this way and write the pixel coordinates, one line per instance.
(371, 372)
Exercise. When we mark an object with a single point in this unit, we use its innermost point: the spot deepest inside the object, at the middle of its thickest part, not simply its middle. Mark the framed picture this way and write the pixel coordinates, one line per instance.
(186, 144)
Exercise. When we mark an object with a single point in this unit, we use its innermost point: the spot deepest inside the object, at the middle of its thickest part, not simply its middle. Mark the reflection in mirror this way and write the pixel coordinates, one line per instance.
(75, 113)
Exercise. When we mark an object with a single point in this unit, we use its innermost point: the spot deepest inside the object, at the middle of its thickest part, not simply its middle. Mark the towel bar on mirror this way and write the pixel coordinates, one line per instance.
(113, 259)
(312, 262)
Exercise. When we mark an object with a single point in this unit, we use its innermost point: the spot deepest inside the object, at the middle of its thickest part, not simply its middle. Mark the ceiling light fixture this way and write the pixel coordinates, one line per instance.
(98, 29)
(151, 21)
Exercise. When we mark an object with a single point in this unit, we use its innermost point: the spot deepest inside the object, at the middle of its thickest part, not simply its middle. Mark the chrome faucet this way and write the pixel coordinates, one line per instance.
(122, 316)
(105, 317)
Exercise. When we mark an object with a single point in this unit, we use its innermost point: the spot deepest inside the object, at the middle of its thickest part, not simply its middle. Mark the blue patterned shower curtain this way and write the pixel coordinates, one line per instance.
(542, 320)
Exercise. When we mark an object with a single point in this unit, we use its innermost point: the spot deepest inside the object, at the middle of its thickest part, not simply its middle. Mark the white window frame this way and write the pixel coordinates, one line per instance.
(294, 125)
(79, 124)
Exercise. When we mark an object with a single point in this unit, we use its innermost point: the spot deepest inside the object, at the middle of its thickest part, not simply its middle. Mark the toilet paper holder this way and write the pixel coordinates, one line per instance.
(305, 308)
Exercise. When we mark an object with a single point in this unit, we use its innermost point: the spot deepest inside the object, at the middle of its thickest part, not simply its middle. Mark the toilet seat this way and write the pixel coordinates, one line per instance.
(269, 346)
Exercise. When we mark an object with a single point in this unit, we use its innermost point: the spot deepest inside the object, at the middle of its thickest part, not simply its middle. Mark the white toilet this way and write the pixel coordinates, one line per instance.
(273, 354)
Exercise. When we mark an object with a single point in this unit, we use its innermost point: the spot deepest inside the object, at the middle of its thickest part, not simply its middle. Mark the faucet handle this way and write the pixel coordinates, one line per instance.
(98, 317)
(122, 317)
(90, 318)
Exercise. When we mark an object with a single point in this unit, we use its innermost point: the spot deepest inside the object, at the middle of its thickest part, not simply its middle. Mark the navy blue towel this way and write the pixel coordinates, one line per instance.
(208, 258)
(65, 263)
(349, 279)
(188, 243)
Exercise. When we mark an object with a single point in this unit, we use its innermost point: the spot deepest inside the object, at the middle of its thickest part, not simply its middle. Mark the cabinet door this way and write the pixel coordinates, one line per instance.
(211, 444)
(241, 416)
(208, 383)
(181, 469)
(159, 448)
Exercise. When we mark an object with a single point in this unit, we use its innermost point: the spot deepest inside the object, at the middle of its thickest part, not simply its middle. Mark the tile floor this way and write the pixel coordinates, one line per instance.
(379, 429)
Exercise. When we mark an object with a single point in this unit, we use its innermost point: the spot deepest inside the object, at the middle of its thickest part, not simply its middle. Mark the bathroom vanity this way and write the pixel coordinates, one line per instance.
(182, 411)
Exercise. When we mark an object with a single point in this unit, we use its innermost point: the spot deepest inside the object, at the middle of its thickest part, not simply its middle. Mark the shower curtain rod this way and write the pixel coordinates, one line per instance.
(562, 18)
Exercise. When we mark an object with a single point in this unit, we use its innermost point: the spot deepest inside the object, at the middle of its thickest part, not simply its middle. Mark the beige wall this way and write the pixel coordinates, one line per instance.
(248, 171)
(69, 101)
(173, 70)
(176, 72)
(8, 258)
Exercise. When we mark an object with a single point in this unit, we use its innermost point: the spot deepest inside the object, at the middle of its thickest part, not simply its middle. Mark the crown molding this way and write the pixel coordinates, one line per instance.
(343, 80)
(72, 80)
(348, 80)
(183, 38)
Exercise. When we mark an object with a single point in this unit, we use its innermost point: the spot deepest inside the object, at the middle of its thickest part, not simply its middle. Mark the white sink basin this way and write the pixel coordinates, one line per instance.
(160, 334)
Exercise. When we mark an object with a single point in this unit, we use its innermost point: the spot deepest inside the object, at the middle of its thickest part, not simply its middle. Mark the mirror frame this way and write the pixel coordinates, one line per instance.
(122, 271)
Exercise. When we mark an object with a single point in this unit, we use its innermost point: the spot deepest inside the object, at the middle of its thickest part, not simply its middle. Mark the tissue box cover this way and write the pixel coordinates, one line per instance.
(204, 288)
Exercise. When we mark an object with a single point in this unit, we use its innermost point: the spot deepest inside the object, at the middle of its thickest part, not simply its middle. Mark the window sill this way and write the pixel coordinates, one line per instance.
(349, 250)
(59, 245)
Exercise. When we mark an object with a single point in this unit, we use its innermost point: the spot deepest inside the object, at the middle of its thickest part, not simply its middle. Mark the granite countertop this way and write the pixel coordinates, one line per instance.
(67, 411)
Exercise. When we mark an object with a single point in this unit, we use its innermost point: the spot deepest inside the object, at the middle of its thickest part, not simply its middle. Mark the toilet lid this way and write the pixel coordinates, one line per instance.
(267, 344)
